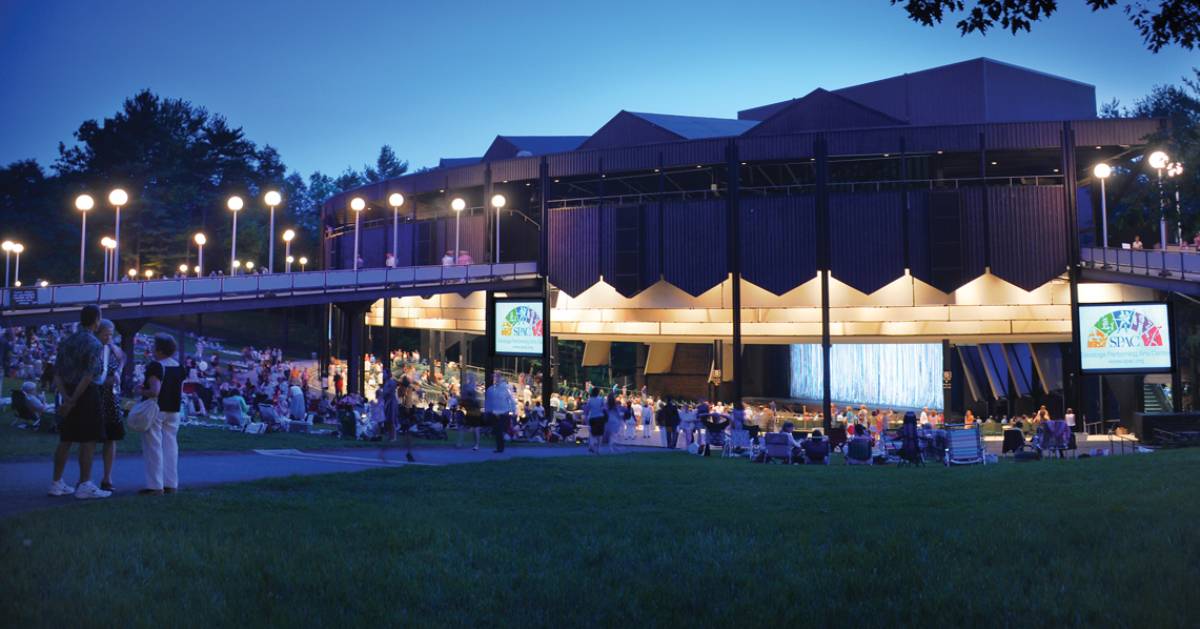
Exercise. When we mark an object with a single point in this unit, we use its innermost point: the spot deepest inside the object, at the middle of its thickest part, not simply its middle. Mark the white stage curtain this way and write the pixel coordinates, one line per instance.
(907, 375)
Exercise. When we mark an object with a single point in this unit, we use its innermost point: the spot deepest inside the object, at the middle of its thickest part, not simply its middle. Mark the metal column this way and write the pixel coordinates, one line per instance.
(1073, 384)
(734, 248)
(544, 272)
(820, 150)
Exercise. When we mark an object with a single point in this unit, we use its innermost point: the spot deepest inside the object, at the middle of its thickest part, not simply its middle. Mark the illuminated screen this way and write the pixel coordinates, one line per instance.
(518, 327)
(1124, 338)
(901, 375)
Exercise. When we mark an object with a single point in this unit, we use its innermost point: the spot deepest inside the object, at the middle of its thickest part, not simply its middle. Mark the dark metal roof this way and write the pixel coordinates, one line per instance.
(451, 162)
(505, 146)
(696, 127)
(977, 90)
(822, 110)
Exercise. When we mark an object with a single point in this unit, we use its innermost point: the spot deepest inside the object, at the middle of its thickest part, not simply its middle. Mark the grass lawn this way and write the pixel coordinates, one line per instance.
(639, 540)
(17, 443)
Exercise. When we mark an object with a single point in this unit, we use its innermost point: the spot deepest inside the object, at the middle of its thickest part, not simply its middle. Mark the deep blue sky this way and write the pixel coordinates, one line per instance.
(328, 83)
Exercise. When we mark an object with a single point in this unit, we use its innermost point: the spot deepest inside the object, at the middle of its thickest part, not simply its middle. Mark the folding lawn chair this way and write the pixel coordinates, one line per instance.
(777, 446)
(964, 445)
(858, 451)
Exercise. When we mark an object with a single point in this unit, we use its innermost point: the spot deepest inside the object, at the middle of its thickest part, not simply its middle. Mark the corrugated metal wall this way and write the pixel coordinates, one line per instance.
(575, 252)
(695, 245)
(867, 246)
(973, 252)
(778, 236)
(1027, 234)
(918, 233)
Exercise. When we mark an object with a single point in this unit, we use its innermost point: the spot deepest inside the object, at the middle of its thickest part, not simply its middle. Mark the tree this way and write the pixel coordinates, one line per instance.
(348, 180)
(387, 166)
(1134, 200)
(1171, 22)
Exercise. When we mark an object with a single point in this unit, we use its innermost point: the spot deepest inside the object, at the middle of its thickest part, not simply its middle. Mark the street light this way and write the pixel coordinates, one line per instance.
(110, 269)
(17, 249)
(234, 266)
(1158, 161)
(234, 204)
(250, 267)
(132, 273)
(303, 262)
(1103, 171)
(358, 205)
(7, 246)
(498, 202)
(1175, 169)
(272, 198)
(395, 200)
(287, 247)
(196, 270)
(83, 203)
(458, 205)
(289, 260)
(183, 269)
(200, 240)
(117, 198)
(149, 273)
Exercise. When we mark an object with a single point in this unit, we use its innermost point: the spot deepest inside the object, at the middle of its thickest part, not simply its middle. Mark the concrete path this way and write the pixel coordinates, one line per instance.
(23, 484)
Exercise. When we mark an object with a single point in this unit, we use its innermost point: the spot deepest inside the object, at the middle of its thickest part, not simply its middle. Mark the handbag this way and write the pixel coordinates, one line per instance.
(142, 415)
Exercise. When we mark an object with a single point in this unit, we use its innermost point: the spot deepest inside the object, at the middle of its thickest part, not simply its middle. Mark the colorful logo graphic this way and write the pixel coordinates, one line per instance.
(521, 321)
(1125, 328)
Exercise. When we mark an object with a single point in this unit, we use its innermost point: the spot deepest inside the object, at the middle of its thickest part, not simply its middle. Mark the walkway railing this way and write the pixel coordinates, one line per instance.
(1174, 263)
(251, 287)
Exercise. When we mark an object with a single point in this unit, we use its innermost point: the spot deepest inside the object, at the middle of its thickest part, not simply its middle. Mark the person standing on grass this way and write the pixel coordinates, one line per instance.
(110, 401)
(596, 419)
(647, 418)
(668, 421)
(498, 408)
(79, 369)
(160, 446)
(468, 399)
(612, 427)
(407, 392)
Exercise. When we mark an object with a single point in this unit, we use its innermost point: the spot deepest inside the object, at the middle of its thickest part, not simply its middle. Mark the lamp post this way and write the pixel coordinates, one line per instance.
(7, 246)
(1158, 161)
(498, 202)
(17, 249)
(1102, 172)
(395, 200)
(110, 269)
(132, 274)
(149, 274)
(235, 205)
(458, 205)
(84, 203)
(117, 198)
(273, 199)
(358, 205)
(1175, 169)
(250, 267)
(234, 266)
(287, 247)
(303, 262)
(183, 270)
(289, 260)
(200, 239)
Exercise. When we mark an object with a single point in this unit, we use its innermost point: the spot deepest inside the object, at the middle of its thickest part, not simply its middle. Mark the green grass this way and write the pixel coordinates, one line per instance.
(16, 443)
(635, 541)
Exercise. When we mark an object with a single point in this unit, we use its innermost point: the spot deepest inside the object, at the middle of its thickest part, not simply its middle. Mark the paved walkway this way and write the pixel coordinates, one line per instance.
(23, 483)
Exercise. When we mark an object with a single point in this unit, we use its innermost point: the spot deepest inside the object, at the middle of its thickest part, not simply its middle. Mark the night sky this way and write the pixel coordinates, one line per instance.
(328, 83)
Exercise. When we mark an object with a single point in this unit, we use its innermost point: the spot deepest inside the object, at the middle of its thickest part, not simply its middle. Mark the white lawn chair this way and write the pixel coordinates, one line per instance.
(964, 445)
(777, 446)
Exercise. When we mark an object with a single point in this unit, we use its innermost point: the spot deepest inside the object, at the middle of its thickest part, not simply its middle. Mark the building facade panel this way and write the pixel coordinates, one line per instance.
(575, 259)
(694, 245)
(867, 239)
(1027, 232)
(777, 241)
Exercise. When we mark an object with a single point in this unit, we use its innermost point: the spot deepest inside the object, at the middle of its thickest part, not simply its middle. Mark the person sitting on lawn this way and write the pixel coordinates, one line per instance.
(28, 405)
(797, 447)
(816, 449)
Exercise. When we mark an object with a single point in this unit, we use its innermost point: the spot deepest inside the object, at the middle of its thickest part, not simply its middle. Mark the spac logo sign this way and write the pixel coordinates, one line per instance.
(519, 328)
(1131, 338)
(1125, 328)
(522, 321)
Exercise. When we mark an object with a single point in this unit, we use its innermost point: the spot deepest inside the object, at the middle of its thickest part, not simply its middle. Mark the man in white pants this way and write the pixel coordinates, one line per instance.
(160, 448)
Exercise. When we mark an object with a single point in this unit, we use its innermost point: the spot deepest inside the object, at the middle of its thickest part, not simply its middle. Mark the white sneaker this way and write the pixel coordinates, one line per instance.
(89, 490)
(59, 488)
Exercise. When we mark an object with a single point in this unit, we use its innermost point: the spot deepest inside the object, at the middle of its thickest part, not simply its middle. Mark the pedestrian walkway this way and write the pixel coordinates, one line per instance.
(23, 483)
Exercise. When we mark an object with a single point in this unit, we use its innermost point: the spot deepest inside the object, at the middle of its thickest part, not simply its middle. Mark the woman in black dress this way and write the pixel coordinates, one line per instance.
(110, 399)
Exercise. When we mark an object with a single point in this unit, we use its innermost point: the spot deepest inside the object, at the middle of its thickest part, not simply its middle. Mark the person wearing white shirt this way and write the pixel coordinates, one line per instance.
(499, 407)
(647, 419)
